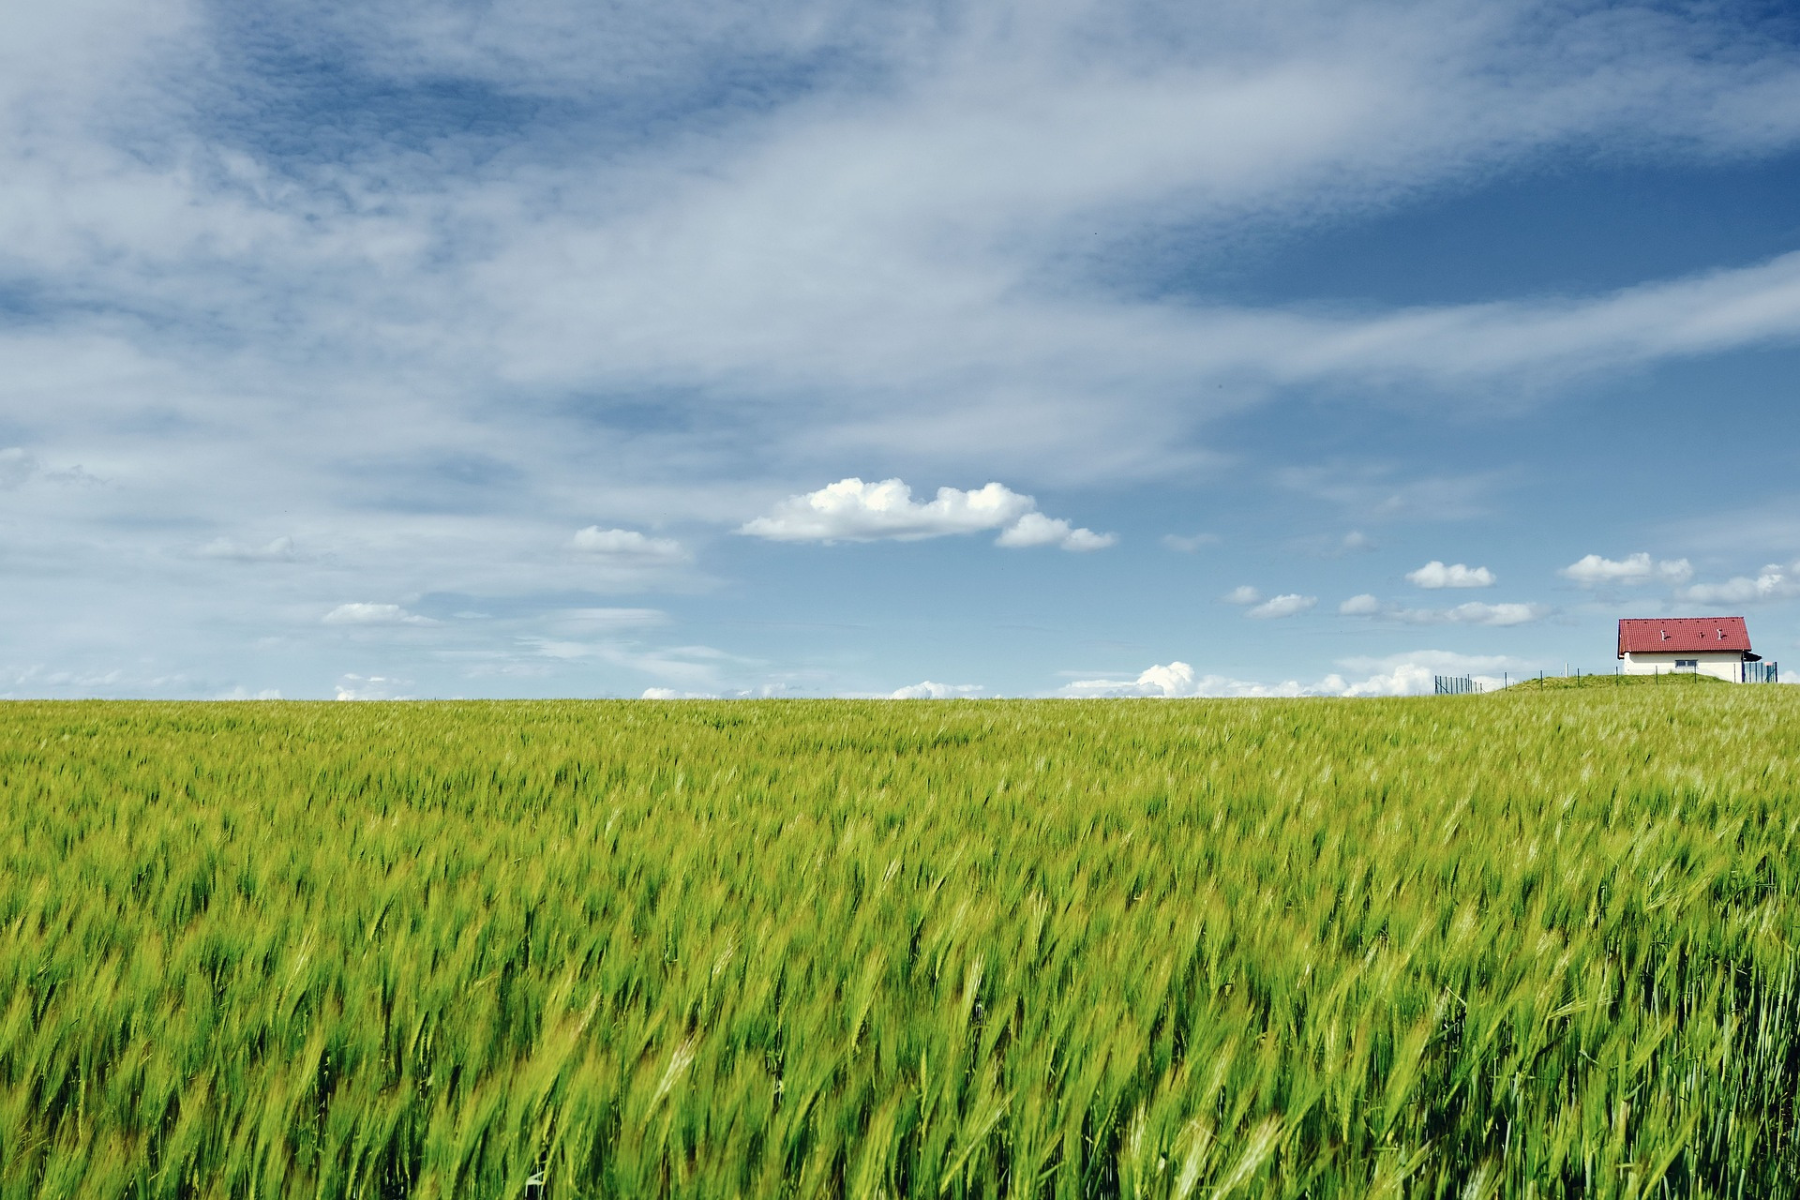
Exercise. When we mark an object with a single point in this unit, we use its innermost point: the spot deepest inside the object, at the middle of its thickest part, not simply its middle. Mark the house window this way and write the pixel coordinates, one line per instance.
(1690, 664)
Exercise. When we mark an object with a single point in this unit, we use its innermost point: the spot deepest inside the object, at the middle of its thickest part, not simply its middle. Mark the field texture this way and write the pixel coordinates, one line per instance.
(1520, 945)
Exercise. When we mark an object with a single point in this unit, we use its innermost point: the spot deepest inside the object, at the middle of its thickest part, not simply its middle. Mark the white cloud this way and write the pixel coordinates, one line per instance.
(928, 690)
(281, 549)
(1773, 582)
(370, 687)
(1593, 571)
(360, 613)
(1242, 594)
(663, 693)
(241, 692)
(1035, 529)
(1435, 574)
(1412, 673)
(1409, 674)
(1287, 605)
(627, 545)
(853, 511)
(1177, 680)
(1472, 613)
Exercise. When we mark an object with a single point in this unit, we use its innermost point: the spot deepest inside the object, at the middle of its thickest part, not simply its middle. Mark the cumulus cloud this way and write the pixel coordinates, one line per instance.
(663, 693)
(1360, 606)
(1435, 574)
(1773, 582)
(1288, 605)
(1413, 673)
(361, 613)
(1035, 529)
(1242, 594)
(927, 690)
(628, 546)
(853, 511)
(1592, 570)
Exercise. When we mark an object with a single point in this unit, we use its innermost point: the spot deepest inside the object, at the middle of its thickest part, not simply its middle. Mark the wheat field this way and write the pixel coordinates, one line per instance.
(1515, 945)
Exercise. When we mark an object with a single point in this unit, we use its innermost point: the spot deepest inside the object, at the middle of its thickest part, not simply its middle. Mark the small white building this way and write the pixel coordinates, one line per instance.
(1716, 646)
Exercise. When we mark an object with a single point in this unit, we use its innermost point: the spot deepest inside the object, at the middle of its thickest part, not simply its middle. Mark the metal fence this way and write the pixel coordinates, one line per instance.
(1454, 685)
(1762, 672)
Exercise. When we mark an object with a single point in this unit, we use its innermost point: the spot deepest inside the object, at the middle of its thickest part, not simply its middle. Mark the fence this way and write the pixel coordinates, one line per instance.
(1762, 672)
(1454, 685)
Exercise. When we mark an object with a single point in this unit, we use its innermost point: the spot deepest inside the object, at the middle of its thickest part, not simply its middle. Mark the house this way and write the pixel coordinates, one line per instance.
(1717, 646)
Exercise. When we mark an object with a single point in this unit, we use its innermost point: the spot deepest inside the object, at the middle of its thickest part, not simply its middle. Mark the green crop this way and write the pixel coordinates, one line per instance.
(1516, 945)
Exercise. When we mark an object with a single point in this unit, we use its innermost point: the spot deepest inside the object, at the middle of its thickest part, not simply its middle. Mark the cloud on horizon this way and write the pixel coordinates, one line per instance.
(1408, 674)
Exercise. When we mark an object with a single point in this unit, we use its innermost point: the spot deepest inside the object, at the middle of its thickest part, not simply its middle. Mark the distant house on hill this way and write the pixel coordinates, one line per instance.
(1716, 646)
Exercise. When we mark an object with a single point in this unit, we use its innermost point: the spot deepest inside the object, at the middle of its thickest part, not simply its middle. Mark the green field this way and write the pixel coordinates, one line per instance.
(1507, 945)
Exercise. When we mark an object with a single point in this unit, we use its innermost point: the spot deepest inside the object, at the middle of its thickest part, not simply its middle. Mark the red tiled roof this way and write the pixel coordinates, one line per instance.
(1677, 634)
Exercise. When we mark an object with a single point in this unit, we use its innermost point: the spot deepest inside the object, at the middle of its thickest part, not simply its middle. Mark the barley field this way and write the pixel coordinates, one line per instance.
(1532, 945)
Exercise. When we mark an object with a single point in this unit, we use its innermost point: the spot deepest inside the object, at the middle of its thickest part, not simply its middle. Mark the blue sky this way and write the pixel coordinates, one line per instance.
(571, 349)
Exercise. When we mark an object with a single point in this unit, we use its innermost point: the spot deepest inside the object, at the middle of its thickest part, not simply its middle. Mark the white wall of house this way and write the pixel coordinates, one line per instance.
(1722, 664)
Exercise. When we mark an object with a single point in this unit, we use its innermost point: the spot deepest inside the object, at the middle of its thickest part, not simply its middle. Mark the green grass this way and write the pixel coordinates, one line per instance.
(1557, 683)
(1532, 945)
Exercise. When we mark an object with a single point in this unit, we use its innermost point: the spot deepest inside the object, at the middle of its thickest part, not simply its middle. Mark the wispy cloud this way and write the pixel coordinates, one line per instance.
(1190, 543)
(1290, 604)
(279, 549)
(1473, 612)
(627, 546)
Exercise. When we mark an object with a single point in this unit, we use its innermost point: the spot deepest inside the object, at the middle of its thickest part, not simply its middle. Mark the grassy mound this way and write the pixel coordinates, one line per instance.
(1559, 683)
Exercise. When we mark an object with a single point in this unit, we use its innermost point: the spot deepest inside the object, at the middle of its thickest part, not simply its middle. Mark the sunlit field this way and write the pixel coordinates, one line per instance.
(1535, 944)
